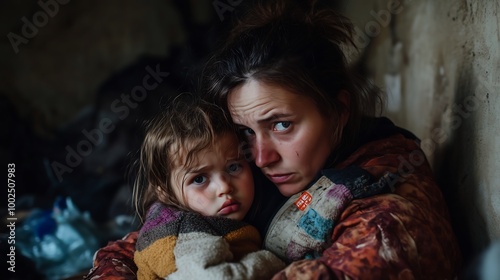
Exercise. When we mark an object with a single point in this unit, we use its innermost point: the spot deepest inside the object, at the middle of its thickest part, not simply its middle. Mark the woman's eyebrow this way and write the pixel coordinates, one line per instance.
(274, 117)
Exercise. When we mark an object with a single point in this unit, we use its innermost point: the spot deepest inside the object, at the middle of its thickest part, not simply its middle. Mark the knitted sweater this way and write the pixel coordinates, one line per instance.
(174, 244)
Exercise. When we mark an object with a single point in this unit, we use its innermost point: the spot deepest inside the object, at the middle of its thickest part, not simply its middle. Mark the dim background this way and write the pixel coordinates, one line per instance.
(438, 61)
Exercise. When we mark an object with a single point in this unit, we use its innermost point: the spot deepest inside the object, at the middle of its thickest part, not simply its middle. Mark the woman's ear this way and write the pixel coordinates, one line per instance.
(345, 100)
(339, 119)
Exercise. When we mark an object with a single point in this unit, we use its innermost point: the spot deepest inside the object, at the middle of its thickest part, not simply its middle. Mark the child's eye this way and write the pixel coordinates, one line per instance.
(199, 179)
(234, 168)
(281, 126)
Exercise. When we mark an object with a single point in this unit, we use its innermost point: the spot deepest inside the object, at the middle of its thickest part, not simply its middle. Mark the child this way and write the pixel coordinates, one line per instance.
(196, 187)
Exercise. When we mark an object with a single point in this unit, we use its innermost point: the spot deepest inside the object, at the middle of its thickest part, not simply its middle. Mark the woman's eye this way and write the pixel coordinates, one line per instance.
(234, 168)
(281, 126)
(247, 132)
(199, 179)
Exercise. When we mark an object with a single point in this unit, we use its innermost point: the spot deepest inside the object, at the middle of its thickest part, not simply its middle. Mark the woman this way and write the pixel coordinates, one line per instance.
(283, 77)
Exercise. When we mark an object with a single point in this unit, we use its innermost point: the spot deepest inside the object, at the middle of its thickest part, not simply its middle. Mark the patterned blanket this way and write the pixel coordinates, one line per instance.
(174, 244)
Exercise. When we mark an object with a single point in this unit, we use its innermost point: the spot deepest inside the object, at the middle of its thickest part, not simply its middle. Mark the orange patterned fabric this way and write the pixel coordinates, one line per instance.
(403, 235)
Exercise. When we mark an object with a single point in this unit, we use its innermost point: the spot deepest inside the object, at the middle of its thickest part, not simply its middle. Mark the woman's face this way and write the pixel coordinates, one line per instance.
(289, 138)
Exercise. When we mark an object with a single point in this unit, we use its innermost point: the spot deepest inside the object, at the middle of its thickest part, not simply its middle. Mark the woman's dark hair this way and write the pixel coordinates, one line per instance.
(298, 45)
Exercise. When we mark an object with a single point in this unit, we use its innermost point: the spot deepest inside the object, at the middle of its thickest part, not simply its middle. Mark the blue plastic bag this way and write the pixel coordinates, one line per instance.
(61, 242)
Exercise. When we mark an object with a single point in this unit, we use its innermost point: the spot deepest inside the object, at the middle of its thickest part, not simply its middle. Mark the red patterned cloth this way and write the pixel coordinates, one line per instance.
(403, 235)
(116, 260)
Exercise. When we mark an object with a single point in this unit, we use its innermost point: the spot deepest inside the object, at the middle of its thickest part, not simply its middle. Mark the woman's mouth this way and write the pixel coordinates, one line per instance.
(279, 178)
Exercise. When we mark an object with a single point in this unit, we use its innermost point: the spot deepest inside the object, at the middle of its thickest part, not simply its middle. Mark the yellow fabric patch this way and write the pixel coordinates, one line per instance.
(243, 241)
(157, 260)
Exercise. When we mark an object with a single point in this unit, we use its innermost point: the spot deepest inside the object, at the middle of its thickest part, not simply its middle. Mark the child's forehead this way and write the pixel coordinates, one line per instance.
(191, 153)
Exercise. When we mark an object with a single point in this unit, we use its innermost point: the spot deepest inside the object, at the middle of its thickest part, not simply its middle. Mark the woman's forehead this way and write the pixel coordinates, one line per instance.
(258, 101)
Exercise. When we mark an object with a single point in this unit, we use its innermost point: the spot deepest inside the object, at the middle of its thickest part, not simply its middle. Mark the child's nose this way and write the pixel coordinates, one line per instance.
(224, 186)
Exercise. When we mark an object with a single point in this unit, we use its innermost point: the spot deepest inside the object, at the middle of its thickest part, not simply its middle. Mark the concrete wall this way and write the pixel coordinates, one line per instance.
(439, 62)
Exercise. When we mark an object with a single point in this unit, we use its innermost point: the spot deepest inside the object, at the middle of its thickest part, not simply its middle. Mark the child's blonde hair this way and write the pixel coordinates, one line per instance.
(188, 126)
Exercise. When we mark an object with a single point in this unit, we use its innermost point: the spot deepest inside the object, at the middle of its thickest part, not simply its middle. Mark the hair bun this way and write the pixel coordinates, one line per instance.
(317, 17)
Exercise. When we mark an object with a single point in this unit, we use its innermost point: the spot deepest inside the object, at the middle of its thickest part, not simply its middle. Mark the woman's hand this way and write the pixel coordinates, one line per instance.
(305, 269)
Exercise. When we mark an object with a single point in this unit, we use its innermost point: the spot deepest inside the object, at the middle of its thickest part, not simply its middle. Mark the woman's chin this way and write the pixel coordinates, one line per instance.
(288, 190)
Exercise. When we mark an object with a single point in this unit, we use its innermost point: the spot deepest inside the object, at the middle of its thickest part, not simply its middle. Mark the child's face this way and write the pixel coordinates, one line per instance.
(219, 181)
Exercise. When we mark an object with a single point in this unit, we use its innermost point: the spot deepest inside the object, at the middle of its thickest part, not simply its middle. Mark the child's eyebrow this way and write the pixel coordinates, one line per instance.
(189, 170)
(235, 158)
(196, 169)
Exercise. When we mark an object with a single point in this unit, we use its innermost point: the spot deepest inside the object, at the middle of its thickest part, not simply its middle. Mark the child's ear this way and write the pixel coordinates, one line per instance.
(345, 100)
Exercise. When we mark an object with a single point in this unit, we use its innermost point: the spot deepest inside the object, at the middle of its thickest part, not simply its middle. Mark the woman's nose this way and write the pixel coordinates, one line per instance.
(264, 153)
